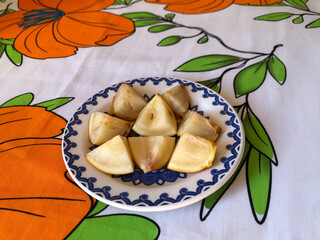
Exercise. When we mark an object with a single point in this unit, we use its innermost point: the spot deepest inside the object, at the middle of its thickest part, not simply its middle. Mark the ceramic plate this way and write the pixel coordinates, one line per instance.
(162, 189)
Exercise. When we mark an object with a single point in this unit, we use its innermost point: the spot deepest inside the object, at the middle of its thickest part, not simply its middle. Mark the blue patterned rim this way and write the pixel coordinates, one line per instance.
(164, 198)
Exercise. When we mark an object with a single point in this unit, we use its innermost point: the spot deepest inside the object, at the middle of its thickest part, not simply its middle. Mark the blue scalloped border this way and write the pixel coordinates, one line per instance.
(164, 198)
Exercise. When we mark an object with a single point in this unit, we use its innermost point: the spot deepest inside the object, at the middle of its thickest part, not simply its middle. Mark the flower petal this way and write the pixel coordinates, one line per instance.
(110, 40)
(29, 5)
(201, 6)
(169, 2)
(195, 6)
(9, 24)
(29, 122)
(87, 29)
(35, 194)
(69, 6)
(39, 42)
(256, 2)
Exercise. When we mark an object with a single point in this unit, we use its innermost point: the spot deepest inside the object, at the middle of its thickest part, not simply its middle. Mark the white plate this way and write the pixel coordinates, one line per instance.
(162, 189)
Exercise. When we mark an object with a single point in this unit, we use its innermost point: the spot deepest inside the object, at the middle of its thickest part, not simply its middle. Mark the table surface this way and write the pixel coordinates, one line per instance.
(261, 56)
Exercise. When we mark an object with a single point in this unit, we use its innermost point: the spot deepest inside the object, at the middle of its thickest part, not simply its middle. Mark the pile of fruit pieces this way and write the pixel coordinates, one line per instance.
(156, 122)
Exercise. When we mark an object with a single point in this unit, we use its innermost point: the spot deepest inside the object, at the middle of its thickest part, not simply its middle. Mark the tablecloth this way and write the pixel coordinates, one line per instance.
(262, 56)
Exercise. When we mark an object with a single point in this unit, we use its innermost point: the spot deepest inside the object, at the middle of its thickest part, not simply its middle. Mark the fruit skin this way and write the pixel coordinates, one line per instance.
(192, 154)
(113, 157)
(196, 124)
(103, 127)
(127, 103)
(151, 153)
(178, 99)
(156, 119)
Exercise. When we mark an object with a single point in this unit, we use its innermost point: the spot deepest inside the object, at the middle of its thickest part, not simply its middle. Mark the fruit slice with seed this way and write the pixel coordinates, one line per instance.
(156, 119)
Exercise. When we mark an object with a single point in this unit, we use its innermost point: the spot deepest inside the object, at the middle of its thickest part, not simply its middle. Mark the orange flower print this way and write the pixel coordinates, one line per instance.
(50, 28)
(205, 6)
(37, 198)
(256, 2)
(194, 6)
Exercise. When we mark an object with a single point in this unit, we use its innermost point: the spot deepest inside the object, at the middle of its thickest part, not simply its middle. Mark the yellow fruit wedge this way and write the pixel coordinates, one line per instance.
(156, 119)
(178, 99)
(113, 157)
(196, 124)
(127, 103)
(192, 154)
(151, 153)
(103, 127)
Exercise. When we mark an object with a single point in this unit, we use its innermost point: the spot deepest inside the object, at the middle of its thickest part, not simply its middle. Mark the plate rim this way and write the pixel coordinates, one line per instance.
(169, 206)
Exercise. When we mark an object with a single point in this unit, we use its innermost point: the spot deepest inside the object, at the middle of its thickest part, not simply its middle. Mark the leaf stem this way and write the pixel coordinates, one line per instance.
(309, 12)
(206, 33)
(6, 9)
(192, 36)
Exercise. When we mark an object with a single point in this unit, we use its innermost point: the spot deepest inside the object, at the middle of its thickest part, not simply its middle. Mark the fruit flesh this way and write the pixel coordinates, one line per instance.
(151, 153)
(103, 127)
(155, 119)
(113, 157)
(127, 103)
(194, 123)
(178, 99)
(192, 154)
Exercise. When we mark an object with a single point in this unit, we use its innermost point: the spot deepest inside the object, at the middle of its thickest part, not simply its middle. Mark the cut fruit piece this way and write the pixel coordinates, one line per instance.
(151, 153)
(113, 157)
(156, 119)
(103, 127)
(192, 154)
(178, 99)
(127, 103)
(196, 124)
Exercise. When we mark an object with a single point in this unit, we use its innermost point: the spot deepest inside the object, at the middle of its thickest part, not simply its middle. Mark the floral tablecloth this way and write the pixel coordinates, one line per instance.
(262, 56)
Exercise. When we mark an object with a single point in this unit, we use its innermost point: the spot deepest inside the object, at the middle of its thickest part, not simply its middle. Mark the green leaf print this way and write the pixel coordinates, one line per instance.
(117, 2)
(54, 103)
(298, 4)
(277, 69)
(116, 227)
(257, 136)
(21, 100)
(14, 56)
(168, 41)
(277, 4)
(6, 11)
(203, 39)
(212, 84)
(259, 183)
(141, 15)
(161, 28)
(208, 63)
(143, 23)
(298, 20)
(100, 206)
(274, 16)
(250, 78)
(127, 1)
(2, 48)
(314, 24)
(210, 201)
(170, 16)
(7, 41)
